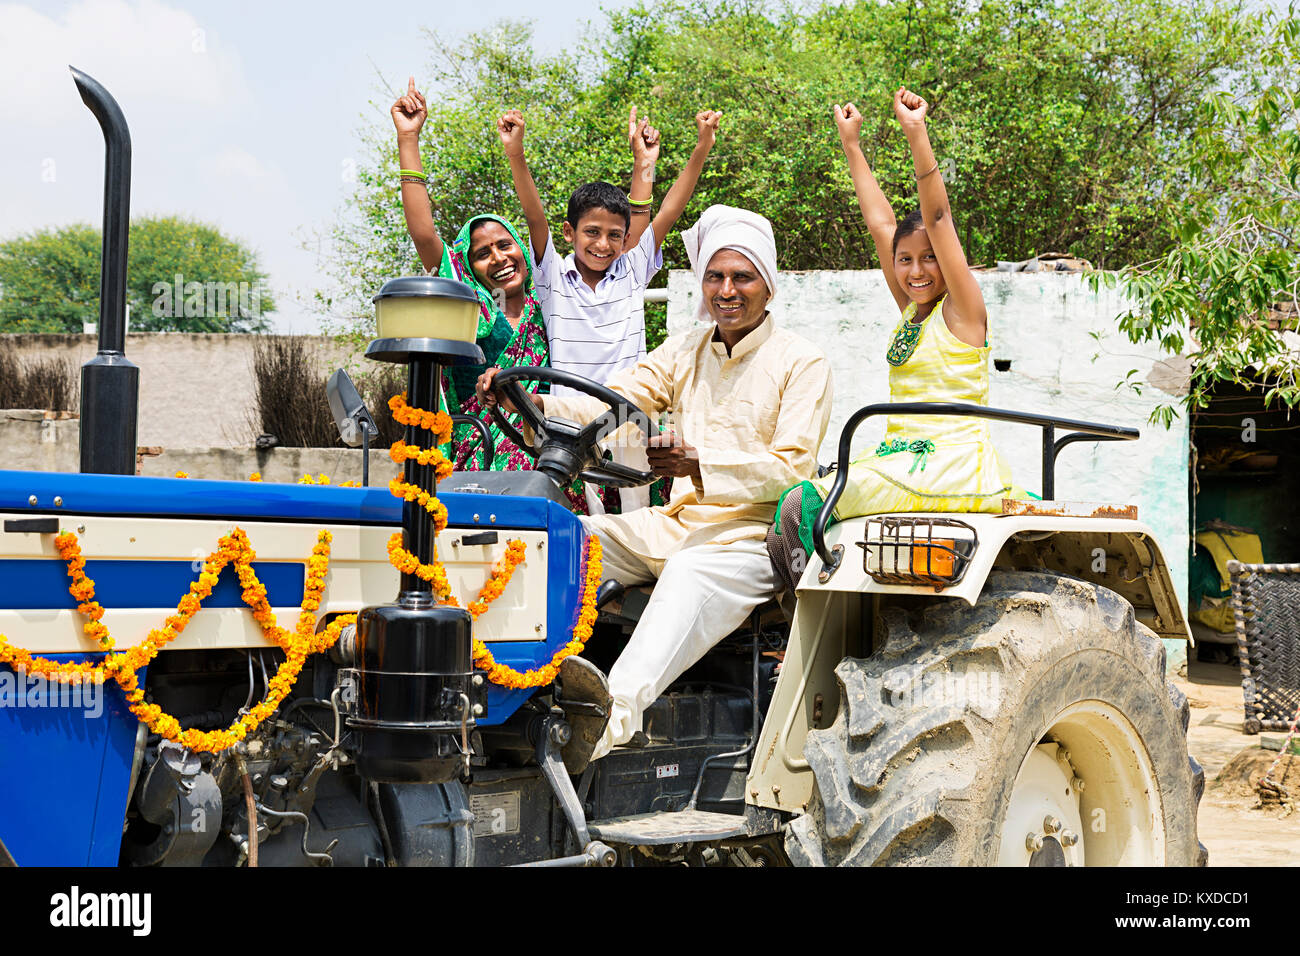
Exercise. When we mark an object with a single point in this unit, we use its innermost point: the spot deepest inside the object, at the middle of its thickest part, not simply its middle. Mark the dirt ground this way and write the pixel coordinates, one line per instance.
(1233, 825)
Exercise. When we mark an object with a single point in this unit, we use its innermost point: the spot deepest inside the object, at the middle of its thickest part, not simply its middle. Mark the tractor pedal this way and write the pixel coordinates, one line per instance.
(669, 826)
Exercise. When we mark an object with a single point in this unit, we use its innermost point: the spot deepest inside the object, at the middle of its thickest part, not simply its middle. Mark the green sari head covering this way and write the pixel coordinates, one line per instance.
(489, 309)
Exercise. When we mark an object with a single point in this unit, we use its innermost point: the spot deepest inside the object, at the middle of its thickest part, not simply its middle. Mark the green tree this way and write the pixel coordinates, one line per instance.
(182, 276)
(1055, 123)
(1229, 285)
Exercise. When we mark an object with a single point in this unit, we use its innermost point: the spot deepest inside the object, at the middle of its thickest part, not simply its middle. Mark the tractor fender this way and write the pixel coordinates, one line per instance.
(1121, 554)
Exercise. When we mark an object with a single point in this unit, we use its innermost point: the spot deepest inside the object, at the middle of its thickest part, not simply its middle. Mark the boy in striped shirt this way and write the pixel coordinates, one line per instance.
(593, 299)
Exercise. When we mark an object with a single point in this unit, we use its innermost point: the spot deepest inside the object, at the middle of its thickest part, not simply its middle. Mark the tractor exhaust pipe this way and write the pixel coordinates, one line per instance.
(110, 384)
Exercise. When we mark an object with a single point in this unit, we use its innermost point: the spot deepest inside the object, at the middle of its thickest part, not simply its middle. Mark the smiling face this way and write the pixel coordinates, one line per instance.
(496, 258)
(917, 269)
(735, 294)
(597, 240)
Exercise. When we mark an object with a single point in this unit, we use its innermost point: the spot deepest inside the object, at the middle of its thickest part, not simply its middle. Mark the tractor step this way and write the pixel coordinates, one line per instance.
(664, 827)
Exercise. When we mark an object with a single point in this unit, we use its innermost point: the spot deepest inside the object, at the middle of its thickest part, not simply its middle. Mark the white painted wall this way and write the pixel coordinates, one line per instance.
(1042, 323)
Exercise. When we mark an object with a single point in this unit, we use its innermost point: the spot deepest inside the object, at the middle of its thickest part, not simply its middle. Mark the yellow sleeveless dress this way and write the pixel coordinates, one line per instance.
(929, 463)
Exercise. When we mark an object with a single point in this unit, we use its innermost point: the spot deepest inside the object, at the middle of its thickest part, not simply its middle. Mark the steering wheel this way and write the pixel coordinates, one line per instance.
(564, 449)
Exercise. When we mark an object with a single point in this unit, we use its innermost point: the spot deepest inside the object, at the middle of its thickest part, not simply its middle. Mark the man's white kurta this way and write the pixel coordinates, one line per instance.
(756, 418)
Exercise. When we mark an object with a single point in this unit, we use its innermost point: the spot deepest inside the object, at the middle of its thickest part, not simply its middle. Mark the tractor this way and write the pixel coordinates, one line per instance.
(969, 689)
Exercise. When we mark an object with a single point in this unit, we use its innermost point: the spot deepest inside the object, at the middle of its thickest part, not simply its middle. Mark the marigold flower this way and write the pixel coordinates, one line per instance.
(122, 666)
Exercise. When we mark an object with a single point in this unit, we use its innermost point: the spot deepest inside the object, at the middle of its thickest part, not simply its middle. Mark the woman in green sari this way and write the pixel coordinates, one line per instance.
(488, 256)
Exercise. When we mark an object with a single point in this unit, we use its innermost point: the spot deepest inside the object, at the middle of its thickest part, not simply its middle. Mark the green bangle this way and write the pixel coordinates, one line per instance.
(412, 172)
(639, 202)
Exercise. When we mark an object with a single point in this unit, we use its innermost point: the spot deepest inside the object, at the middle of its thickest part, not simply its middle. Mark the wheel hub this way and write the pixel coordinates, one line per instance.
(1091, 766)
(1043, 819)
(1050, 853)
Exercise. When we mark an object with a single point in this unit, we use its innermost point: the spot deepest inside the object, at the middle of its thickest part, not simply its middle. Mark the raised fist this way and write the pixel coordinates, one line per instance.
(510, 127)
(909, 108)
(848, 120)
(706, 123)
(409, 111)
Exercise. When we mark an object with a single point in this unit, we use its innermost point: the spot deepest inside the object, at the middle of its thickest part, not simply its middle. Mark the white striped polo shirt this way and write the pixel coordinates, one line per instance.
(596, 332)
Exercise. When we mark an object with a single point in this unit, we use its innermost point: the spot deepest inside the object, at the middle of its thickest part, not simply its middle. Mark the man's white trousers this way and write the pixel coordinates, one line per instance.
(703, 594)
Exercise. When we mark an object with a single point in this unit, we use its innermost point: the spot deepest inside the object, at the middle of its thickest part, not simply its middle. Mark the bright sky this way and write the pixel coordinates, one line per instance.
(242, 114)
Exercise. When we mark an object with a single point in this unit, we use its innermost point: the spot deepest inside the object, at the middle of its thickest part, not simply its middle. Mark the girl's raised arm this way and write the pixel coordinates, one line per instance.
(409, 113)
(876, 211)
(964, 312)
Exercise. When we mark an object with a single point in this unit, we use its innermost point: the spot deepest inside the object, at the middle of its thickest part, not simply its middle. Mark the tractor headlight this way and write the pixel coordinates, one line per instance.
(912, 550)
(426, 307)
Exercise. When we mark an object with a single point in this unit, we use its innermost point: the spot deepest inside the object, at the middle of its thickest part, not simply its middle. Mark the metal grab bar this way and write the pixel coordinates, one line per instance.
(1079, 431)
(489, 446)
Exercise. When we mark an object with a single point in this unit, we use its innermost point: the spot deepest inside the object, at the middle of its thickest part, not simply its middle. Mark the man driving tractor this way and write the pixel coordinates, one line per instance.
(750, 403)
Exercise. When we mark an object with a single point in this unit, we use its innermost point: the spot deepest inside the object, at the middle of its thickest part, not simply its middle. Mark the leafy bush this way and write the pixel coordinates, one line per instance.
(49, 280)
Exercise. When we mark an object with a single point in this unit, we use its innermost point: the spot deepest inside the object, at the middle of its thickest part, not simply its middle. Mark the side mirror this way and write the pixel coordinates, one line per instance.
(356, 424)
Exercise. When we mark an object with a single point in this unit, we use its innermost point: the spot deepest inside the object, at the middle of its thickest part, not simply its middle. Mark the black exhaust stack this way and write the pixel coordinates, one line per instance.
(110, 384)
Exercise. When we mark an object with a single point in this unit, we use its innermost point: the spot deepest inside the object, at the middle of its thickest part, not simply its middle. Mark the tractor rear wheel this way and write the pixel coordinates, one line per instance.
(1035, 728)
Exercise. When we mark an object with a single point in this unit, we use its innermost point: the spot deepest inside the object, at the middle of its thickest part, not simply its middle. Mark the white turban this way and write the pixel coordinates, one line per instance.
(725, 227)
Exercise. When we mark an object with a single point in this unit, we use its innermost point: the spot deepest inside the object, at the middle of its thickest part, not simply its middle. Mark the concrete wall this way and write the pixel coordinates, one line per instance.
(196, 390)
(1043, 324)
(29, 441)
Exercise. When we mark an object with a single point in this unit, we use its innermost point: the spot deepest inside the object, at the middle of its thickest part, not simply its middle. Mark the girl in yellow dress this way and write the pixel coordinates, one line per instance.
(938, 353)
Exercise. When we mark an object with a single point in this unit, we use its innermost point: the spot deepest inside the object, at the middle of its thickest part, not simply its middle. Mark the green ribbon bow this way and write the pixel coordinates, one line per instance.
(922, 448)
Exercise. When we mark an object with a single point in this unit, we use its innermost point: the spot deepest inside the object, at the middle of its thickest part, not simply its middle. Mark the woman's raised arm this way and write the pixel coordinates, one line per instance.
(409, 113)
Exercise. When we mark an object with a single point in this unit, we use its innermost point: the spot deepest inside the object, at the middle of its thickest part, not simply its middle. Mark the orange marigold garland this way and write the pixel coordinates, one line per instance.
(502, 572)
(508, 677)
(408, 563)
(439, 423)
(122, 666)
(83, 589)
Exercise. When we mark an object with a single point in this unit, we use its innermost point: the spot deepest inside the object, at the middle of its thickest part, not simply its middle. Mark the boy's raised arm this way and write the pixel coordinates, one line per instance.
(644, 140)
(409, 113)
(876, 211)
(674, 204)
(510, 127)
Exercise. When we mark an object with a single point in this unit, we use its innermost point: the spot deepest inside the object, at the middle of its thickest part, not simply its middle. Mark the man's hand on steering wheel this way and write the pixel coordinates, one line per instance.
(670, 457)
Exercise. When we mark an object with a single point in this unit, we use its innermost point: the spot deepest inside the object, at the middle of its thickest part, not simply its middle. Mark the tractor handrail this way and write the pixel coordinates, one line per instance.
(1079, 431)
(489, 446)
